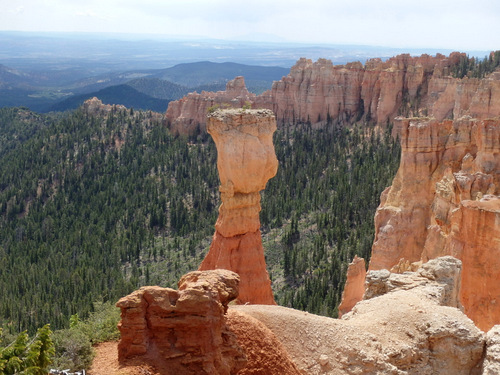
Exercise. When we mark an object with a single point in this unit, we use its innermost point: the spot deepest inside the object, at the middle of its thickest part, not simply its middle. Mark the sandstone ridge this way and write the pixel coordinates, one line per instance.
(320, 92)
(409, 325)
(444, 200)
(188, 114)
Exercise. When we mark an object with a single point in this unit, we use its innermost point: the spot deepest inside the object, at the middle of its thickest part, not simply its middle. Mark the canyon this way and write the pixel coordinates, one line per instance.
(444, 198)
(428, 303)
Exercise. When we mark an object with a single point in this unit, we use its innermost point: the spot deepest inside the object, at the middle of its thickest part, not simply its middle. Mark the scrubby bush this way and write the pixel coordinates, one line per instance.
(74, 349)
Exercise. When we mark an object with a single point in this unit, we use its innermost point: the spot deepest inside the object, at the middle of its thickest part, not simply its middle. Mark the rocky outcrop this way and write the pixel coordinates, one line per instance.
(246, 161)
(183, 331)
(444, 200)
(491, 364)
(408, 325)
(320, 92)
(94, 106)
(354, 287)
(187, 115)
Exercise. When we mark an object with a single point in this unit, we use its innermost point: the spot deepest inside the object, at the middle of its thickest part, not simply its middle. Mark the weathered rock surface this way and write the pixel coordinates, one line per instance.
(188, 114)
(265, 353)
(246, 161)
(354, 287)
(184, 331)
(410, 325)
(491, 364)
(95, 106)
(444, 201)
(378, 91)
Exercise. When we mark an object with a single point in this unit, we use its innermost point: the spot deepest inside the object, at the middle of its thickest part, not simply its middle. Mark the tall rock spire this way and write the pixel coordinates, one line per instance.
(246, 160)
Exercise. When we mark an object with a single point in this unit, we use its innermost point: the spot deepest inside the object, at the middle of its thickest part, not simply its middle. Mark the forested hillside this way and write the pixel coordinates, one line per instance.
(318, 211)
(94, 206)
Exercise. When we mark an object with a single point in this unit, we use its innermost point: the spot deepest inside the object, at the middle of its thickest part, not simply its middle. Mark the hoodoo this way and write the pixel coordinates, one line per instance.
(354, 285)
(246, 160)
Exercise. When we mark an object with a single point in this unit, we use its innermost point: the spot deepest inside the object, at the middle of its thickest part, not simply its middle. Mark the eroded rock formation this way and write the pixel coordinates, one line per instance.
(184, 331)
(444, 200)
(378, 91)
(491, 364)
(409, 325)
(246, 161)
(354, 288)
(95, 106)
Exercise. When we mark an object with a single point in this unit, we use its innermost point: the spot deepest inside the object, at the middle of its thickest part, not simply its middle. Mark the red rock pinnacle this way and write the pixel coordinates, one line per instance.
(246, 160)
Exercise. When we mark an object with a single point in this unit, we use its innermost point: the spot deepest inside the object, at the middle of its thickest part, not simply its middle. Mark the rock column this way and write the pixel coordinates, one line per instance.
(354, 287)
(246, 160)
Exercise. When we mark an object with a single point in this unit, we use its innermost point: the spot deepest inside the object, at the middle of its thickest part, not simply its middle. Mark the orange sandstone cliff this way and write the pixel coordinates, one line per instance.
(246, 160)
(377, 92)
(445, 200)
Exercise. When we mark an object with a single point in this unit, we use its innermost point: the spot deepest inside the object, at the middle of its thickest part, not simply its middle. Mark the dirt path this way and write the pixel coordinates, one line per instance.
(106, 362)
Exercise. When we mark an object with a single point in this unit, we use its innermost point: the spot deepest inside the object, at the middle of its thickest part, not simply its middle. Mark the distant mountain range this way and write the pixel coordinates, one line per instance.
(49, 71)
(149, 89)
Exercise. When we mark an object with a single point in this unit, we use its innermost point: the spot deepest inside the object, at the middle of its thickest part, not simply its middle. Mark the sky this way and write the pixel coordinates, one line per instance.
(449, 24)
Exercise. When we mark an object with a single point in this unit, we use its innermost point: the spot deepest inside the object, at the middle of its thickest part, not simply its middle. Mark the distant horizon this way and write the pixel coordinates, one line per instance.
(136, 37)
(429, 24)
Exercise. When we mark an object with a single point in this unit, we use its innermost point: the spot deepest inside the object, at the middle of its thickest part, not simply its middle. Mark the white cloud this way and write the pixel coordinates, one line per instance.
(456, 24)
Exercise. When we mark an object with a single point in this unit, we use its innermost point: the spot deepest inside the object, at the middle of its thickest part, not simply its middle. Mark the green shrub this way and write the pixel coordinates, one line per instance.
(74, 345)
(73, 350)
(102, 323)
(28, 357)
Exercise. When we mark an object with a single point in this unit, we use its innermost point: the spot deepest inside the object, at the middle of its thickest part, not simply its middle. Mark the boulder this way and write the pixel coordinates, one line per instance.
(183, 331)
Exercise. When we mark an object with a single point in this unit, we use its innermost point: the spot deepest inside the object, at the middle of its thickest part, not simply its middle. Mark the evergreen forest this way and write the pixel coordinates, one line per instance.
(93, 206)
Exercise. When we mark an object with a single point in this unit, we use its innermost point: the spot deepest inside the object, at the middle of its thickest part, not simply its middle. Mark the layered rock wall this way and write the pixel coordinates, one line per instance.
(246, 161)
(445, 200)
(320, 92)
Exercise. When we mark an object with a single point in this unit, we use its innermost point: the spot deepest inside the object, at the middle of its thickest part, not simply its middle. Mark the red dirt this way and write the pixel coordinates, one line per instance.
(106, 363)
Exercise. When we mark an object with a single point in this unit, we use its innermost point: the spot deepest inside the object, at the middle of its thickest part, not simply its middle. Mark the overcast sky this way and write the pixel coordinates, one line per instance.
(448, 24)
